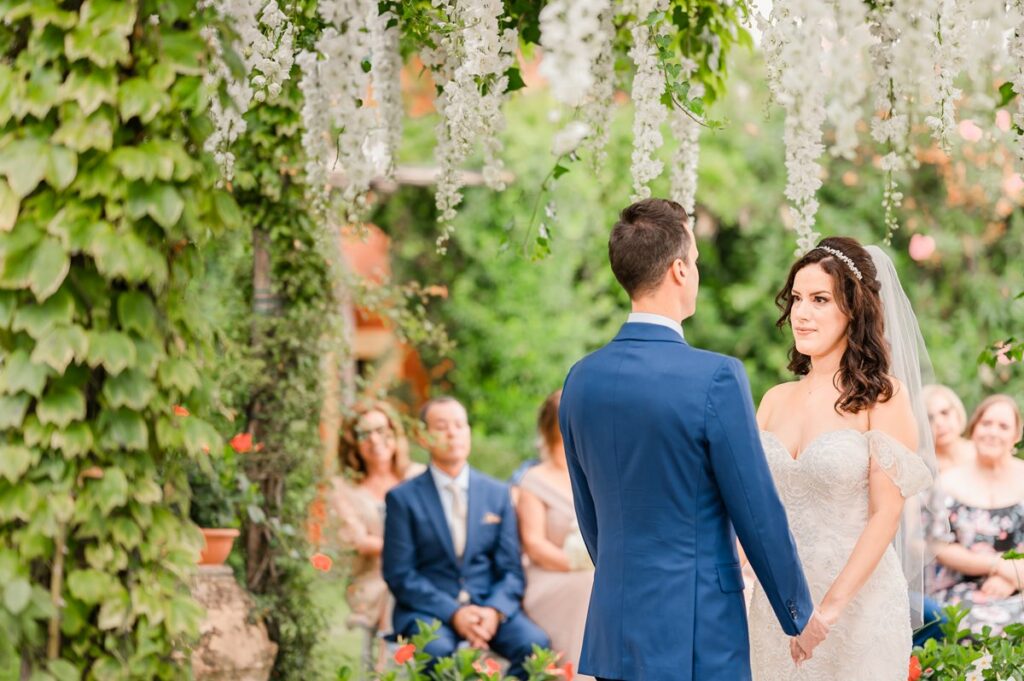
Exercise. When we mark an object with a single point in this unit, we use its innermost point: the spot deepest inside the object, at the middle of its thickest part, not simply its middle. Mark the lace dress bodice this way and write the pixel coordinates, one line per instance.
(825, 493)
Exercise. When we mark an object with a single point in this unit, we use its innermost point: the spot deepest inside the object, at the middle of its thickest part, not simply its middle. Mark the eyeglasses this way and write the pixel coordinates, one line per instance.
(366, 433)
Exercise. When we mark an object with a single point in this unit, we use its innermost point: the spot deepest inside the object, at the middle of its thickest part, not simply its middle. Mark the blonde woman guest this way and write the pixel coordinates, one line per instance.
(984, 503)
(559, 574)
(948, 418)
(374, 458)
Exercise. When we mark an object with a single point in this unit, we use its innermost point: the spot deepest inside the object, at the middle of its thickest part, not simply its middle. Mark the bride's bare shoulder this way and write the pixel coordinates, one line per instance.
(772, 401)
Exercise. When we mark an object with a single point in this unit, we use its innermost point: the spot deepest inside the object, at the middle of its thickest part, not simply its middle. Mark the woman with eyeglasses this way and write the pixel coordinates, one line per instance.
(373, 454)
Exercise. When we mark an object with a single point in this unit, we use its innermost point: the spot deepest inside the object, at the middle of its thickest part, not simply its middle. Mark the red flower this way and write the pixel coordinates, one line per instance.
(180, 410)
(242, 443)
(565, 670)
(915, 669)
(405, 653)
(488, 667)
(321, 562)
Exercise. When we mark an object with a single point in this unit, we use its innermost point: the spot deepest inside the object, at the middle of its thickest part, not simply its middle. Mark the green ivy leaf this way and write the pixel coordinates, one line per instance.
(34, 432)
(8, 307)
(42, 13)
(123, 429)
(112, 490)
(17, 595)
(61, 405)
(1006, 94)
(137, 313)
(227, 210)
(61, 167)
(39, 319)
(15, 460)
(24, 162)
(10, 206)
(135, 163)
(200, 437)
(76, 225)
(50, 267)
(63, 670)
(183, 616)
(103, 49)
(139, 97)
(162, 202)
(115, 612)
(182, 51)
(90, 88)
(21, 374)
(61, 346)
(147, 492)
(179, 373)
(112, 349)
(109, 15)
(82, 133)
(515, 80)
(74, 441)
(130, 388)
(12, 410)
(41, 92)
(90, 586)
(18, 502)
(126, 532)
(126, 256)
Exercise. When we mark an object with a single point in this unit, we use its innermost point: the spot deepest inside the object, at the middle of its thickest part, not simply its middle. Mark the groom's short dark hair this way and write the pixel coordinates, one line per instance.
(649, 235)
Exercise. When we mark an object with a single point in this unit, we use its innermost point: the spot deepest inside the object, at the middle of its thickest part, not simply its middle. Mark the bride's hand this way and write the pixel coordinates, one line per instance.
(816, 631)
(796, 652)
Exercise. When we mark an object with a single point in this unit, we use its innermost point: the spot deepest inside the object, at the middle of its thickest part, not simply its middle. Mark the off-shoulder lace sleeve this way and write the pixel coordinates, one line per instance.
(904, 467)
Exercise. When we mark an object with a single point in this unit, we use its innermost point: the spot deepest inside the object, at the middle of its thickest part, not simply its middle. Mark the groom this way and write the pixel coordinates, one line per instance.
(667, 469)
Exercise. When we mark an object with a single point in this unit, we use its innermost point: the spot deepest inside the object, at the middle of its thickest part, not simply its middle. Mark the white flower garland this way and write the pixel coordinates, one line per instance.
(597, 113)
(473, 53)
(846, 70)
(1016, 48)
(387, 83)
(686, 129)
(799, 86)
(572, 37)
(950, 36)
(648, 87)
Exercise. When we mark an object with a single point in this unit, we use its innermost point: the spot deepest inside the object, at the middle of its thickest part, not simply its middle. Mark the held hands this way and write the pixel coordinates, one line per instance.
(818, 627)
(476, 624)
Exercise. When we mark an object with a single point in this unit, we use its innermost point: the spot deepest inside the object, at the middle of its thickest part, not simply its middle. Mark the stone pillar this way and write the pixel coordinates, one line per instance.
(232, 646)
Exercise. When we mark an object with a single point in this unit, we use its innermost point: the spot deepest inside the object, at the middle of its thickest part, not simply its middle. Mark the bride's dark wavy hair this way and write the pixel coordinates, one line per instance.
(863, 371)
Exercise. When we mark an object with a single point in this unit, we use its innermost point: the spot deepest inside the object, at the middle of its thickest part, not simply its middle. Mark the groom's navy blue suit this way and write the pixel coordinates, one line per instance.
(666, 460)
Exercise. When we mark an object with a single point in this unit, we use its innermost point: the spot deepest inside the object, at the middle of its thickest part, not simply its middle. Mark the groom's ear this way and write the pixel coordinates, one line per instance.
(679, 270)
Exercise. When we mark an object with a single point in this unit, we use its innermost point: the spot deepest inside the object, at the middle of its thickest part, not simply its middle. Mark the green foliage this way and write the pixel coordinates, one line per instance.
(99, 153)
(965, 654)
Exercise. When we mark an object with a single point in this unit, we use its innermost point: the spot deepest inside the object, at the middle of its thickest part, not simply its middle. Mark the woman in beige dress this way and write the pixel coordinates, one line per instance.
(559, 574)
(948, 418)
(374, 457)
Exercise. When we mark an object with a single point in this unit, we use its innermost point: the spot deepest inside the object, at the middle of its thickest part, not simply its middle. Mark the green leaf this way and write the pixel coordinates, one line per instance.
(135, 163)
(559, 170)
(61, 346)
(115, 612)
(126, 256)
(162, 202)
(41, 92)
(1006, 94)
(18, 502)
(90, 88)
(15, 460)
(24, 162)
(63, 670)
(39, 319)
(21, 374)
(61, 167)
(8, 306)
(183, 616)
(200, 437)
(139, 97)
(10, 206)
(17, 595)
(126, 532)
(112, 490)
(61, 405)
(515, 80)
(227, 210)
(104, 49)
(74, 441)
(50, 266)
(83, 133)
(12, 410)
(137, 313)
(130, 388)
(123, 429)
(76, 225)
(183, 51)
(42, 13)
(179, 373)
(112, 349)
(147, 491)
(90, 586)
(109, 15)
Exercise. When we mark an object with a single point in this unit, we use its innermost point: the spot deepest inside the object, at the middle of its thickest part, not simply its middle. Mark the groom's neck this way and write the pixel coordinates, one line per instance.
(665, 308)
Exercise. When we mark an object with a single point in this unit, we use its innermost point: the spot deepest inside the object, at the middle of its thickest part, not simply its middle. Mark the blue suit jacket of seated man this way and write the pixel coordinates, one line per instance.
(426, 578)
(666, 460)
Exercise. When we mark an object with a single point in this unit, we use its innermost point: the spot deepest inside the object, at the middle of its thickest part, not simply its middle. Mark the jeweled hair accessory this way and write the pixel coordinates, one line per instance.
(845, 258)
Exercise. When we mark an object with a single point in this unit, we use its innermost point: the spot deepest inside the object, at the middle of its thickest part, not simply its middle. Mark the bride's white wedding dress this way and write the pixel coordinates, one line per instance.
(825, 493)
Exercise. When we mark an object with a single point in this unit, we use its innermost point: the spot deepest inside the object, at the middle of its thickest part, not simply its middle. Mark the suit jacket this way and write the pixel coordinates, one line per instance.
(667, 469)
(419, 562)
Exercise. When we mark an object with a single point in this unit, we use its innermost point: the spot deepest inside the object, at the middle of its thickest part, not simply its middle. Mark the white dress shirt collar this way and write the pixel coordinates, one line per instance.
(651, 318)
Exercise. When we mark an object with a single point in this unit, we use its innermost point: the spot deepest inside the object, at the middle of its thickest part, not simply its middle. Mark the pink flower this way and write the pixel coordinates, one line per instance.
(1013, 184)
(970, 131)
(1003, 120)
(921, 247)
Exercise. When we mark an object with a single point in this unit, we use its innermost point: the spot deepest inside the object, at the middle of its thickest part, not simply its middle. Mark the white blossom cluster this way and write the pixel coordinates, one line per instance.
(648, 87)
(686, 129)
(228, 123)
(387, 82)
(799, 86)
(597, 113)
(572, 37)
(847, 72)
(266, 41)
(469, 65)
(1017, 78)
(950, 37)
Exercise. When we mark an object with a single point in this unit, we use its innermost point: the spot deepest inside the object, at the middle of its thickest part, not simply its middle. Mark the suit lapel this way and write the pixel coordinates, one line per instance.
(473, 506)
(435, 511)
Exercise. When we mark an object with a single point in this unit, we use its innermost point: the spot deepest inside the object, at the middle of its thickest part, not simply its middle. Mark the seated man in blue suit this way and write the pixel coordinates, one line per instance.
(451, 549)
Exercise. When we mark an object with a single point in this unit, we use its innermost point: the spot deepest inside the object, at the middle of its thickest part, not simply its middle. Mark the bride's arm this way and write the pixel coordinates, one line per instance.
(885, 506)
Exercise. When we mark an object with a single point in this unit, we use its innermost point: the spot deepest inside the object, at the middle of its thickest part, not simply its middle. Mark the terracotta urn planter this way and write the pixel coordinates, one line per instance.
(218, 545)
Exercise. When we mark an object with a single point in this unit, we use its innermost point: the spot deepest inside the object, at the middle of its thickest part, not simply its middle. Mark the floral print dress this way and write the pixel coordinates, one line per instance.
(987, 531)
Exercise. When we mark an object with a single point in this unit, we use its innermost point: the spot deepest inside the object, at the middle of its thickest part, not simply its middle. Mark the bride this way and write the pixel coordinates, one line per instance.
(842, 443)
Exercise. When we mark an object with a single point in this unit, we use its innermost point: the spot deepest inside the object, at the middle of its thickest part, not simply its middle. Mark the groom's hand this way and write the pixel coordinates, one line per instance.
(796, 652)
(816, 631)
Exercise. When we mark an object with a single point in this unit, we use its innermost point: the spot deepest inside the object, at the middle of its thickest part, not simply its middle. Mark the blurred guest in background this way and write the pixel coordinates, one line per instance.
(559, 574)
(984, 504)
(374, 457)
(948, 418)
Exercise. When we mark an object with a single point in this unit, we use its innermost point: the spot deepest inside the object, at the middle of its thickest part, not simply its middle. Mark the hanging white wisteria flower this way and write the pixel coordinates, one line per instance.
(846, 70)
(572, 36)
(686, 130)
(798, 85)
(1016, 49)
(597, 112)
(227, 119)
(469, 65)
(648, 87)
(387, 84)
(950, 35)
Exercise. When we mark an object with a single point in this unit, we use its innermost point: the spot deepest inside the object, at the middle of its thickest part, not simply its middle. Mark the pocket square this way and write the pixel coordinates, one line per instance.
(492, 519)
